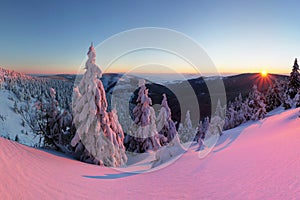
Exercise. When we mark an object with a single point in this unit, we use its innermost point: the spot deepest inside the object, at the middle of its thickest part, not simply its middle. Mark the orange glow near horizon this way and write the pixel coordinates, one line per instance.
(123, 70)
(263, 74)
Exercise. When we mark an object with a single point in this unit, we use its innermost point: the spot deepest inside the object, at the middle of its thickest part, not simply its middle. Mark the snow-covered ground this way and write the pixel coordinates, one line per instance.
(11, 122)
(258, 160)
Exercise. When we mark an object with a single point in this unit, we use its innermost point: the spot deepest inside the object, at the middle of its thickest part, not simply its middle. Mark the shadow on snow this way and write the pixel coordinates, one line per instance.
(111, 176)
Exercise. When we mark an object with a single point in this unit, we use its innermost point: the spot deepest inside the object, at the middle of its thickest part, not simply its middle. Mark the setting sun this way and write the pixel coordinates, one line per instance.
(264, 73)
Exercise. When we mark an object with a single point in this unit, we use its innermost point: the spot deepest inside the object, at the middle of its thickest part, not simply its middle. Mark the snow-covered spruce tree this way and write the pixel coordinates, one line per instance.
(216, 124)
(210, 128)
(282, 86)
(239, 111)
(51, 115)
(273, 97)
(186, 131)
(205, 124)
(294, 80)
(167, 129)
(242, 110)
(256, 104)
(230, 119)
(200, 132)
(297, 99)
(143, 135)
(165, 124)
(221, 110)
(236, 113)
(246, 110)
(48, 123)
(288, 102)
(59, 124)
(217, 121)
(188, 121)
(117, 128)
(99, 138)
(181, 132)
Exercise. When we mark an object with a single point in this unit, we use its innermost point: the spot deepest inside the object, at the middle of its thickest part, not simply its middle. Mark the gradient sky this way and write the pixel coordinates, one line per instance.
(240, 36)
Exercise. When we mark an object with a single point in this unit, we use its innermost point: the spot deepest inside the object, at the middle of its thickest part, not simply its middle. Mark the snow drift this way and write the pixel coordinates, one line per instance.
(258, 160)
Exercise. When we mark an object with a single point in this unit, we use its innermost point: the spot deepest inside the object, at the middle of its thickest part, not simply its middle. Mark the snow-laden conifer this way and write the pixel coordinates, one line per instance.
(99, 137)
(143, 135)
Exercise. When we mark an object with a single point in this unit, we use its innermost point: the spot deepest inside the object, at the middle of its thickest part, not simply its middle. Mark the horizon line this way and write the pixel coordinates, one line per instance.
(201, 74)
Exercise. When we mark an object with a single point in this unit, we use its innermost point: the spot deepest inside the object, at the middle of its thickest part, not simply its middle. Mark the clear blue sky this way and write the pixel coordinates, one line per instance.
(240, 36)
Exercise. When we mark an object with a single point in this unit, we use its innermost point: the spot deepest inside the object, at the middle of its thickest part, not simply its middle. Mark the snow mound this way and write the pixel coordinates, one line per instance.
(258, 160)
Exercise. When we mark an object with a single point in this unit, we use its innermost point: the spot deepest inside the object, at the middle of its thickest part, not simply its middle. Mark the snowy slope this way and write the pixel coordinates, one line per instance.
(259, 160)
(11, 125)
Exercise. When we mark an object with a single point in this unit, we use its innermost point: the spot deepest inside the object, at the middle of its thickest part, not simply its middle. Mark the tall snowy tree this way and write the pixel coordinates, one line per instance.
(165, 124)
(288, 102)
(186, 131)
(273, 97)
(51, 116)
(297, 99)
(99, 138)
(242, 110)
(231, 117)
(220, 110)
(167, 129)
(218, 119)
(188, 121)
(245, 113)
(257, 104)
(58, 127)
(201, 131)
(237, 112)
(294, 80)
(205, 124)
(143, 135)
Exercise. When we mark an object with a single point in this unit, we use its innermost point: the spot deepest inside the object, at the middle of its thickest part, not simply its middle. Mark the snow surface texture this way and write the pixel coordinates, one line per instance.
(98, 130)
(11, 122)
(258, 160)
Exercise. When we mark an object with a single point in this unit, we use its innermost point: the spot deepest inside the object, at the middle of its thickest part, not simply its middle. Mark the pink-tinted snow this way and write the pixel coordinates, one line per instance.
(258, 160)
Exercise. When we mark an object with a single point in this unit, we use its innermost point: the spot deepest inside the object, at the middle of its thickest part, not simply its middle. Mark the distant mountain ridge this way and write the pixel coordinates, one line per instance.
(234, 85)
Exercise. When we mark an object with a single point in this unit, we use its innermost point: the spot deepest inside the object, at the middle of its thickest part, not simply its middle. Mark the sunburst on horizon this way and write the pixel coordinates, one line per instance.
(264, 73)
(263, 80)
